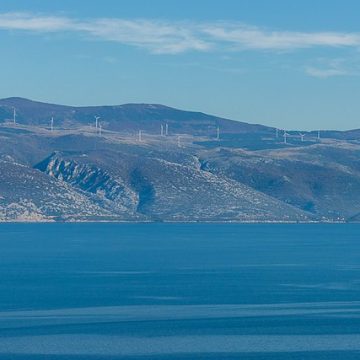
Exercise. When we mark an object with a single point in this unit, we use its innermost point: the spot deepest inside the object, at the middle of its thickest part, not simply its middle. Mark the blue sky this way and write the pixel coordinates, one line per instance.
(290, 64)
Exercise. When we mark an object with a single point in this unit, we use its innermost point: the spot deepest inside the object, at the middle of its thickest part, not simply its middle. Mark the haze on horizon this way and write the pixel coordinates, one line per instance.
(274, 62)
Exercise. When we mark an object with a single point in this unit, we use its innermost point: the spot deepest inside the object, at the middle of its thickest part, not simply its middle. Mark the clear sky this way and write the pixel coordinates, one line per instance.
(285, 63)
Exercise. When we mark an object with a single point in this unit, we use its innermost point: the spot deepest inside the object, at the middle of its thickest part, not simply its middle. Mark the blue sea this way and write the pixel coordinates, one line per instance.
(179, 291)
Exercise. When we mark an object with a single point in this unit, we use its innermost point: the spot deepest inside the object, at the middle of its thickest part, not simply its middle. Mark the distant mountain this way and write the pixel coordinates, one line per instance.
(74, 173)
(128, 117)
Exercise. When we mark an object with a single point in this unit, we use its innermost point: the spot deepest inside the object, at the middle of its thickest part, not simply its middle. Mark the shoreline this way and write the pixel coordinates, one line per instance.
(176, 222)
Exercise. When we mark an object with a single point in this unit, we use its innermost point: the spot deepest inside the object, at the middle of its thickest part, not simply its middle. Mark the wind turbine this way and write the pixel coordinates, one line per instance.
(140, 135)
(14, 116)
(318, 135)
(52, 124)
(166, 129)
(96, 121)
(162, 130)
(285, 136)
(302, 137)
(218, 133)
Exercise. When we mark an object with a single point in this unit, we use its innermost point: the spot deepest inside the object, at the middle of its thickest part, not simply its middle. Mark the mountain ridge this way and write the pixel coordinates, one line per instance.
(132, 170)
(36, 112)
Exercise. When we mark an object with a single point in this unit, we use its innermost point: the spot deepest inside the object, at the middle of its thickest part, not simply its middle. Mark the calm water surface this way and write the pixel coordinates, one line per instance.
(179, 291)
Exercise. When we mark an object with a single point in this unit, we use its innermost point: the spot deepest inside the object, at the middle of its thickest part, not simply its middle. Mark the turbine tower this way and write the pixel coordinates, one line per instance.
(218, 133)
(100, 128)
(14, 116)
(52, 124)
(97, 122)
(285, 137)
(140, 135)
(166, 129)
(178, 141)
(318, 135)
(302, 137)
(162, 130)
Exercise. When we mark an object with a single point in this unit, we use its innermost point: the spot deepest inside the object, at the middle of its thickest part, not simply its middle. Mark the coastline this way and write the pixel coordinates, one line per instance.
(176, 222)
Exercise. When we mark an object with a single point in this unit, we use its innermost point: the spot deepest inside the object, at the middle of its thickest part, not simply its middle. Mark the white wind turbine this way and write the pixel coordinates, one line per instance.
(96, 121)
(302, 137)
(52, 124)
(285, 136)
(140, 135)
(218, 133)
(14, 116)
(162, 130)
